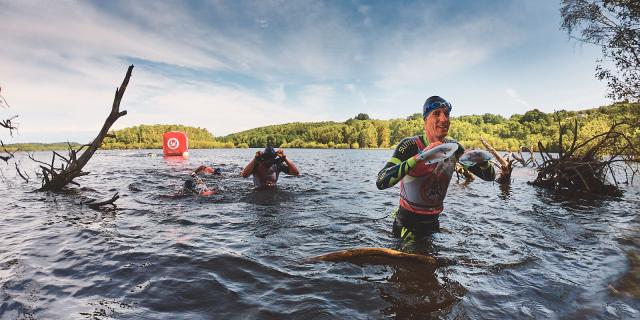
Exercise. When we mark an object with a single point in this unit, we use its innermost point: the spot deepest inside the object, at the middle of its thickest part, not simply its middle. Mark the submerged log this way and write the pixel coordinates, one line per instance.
(55, 178)
(94, 204)
(351, 254)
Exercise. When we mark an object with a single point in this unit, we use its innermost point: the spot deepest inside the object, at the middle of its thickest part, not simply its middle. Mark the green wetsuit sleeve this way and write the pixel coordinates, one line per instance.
(399, 165)
(483, 170)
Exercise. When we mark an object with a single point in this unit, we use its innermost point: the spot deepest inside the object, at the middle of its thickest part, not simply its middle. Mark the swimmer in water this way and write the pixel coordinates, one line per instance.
(266, 167)
(208, 170)
(197, 186)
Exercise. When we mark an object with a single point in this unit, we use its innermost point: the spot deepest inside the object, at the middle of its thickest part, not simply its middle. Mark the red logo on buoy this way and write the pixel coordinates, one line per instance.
(173, 143)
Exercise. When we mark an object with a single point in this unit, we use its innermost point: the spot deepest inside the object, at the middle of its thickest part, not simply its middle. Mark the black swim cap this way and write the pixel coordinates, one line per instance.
(189, 184)
(269, 152)
(434, 102)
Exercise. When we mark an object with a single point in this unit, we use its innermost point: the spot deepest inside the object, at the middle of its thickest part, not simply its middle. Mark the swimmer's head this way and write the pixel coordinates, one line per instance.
(190, 184)
(268, 154)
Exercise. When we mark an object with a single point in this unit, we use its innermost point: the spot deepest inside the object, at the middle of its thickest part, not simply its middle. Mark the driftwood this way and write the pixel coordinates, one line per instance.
(94, 204)
(55, 177)
(351, 254)
(583, 167)
(506, 164)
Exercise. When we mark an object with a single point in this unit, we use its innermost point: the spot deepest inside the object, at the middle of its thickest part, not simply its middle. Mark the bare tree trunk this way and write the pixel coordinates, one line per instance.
(54, 179)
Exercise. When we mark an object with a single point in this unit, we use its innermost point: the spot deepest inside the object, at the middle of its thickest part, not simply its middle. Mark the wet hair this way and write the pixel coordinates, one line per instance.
(190, 184)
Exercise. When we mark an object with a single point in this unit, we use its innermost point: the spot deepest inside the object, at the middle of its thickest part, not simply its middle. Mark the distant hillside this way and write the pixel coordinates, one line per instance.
(504, 134)
(40, 146)
(150, 137)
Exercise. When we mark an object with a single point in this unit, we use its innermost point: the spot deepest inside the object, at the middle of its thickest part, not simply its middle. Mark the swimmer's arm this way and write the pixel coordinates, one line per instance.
(248, 170)
(483, 170)
(291, 168)
(399, 165)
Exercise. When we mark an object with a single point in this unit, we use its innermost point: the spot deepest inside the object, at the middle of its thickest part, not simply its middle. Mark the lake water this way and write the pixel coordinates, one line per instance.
(517, 252)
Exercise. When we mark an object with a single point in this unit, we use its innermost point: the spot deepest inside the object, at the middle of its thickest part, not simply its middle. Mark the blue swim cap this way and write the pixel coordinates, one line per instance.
(434, 102)
(217, 171)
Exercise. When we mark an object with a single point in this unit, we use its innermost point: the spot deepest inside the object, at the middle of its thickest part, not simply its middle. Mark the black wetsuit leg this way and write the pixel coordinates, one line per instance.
(418, 225)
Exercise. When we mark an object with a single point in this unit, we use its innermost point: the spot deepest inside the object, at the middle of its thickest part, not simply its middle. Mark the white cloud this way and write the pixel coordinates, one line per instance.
(416, 58)
(62, 61)
(516, 97)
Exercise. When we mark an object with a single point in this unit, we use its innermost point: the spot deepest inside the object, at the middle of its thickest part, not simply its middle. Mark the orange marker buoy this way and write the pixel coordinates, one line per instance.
(175, 143)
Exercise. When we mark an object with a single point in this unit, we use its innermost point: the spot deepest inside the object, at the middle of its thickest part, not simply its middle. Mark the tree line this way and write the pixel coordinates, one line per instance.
(519, 130)
(150, 137)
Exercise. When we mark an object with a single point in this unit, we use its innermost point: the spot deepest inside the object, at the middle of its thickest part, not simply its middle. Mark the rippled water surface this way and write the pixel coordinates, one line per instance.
(516, 252)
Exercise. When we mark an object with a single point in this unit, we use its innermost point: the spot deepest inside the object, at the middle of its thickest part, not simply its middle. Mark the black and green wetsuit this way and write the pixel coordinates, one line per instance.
(423, 186)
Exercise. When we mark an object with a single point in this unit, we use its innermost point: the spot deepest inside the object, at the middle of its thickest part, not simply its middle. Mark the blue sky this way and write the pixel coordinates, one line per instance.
(233, 65)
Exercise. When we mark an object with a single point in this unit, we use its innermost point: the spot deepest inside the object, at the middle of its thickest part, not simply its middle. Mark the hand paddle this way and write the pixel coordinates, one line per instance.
(438, 153)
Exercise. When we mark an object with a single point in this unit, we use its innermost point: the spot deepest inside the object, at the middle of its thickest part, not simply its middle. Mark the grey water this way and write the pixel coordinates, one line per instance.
(516, 252)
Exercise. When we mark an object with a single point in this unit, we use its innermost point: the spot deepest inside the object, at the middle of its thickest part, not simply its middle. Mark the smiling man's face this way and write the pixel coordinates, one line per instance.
(436, 124)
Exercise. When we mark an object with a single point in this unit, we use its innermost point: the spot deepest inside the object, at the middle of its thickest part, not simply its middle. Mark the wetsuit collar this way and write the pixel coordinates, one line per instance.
(425, 140)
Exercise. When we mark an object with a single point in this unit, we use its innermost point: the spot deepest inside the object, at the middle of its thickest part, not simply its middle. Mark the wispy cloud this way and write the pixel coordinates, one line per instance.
(234, 65)
(516, 97)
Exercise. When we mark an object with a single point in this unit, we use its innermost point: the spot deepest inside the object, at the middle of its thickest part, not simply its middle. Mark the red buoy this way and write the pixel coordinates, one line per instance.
(175, 143)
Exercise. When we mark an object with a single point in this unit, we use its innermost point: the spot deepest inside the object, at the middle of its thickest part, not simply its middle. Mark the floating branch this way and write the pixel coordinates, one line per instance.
(56, 178)
(348, 255)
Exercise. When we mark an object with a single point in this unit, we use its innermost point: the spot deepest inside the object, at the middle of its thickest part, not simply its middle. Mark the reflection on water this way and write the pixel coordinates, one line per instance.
(416, 292)
(506, 251)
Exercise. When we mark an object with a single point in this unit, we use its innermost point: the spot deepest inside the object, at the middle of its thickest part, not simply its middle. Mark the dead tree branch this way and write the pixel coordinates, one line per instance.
(56, 178)
(506, 165)
(585, 166)
(9, 155)
(23, 176)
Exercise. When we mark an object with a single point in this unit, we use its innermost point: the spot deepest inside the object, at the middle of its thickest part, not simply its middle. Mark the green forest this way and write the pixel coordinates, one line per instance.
(150, 137)
(362, 132)
(504, 134)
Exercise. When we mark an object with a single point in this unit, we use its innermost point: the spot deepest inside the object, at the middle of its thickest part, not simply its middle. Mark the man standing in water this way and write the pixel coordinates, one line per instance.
(266, 167)
(423, 186)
